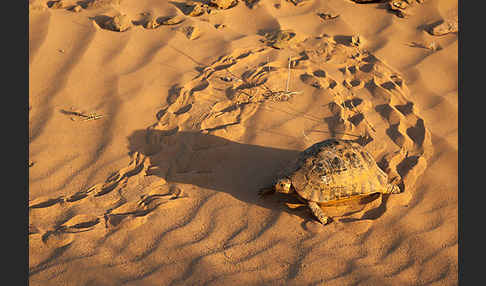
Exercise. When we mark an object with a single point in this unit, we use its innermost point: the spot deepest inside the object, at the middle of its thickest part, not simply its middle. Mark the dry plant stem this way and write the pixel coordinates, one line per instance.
(91, 116)
(295, 113)
(288, 78)
(73, 113)
(274, 95)
(311, 118)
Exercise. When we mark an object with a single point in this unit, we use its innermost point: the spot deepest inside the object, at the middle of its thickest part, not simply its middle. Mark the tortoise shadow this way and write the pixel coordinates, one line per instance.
(212, 162)
(219, 164)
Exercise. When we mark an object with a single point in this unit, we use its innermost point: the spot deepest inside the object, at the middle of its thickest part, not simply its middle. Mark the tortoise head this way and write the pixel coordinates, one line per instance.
(284, 185)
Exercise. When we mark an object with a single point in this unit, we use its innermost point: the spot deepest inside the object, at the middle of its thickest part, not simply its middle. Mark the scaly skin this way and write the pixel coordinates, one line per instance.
(332, 172)
(318, 213)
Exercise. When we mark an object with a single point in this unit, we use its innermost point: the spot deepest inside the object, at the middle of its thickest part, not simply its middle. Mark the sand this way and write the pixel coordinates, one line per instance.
(153, 124)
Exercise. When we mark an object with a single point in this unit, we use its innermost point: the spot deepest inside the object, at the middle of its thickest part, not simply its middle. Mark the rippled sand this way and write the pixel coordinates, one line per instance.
(153, 124)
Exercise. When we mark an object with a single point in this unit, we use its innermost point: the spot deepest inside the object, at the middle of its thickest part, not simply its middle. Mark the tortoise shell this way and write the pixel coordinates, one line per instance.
(335, 169)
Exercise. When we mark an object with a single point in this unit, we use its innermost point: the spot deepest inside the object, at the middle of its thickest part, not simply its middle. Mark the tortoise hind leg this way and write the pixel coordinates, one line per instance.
(318, 213)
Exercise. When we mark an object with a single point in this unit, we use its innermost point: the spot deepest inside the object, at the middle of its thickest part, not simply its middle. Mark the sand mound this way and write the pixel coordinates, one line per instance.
(211, 100)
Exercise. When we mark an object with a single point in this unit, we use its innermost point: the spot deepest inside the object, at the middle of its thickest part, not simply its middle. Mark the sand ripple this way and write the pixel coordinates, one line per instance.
(208, 121)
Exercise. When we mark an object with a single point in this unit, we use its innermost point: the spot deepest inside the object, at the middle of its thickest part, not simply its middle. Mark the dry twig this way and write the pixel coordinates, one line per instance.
(90, 116)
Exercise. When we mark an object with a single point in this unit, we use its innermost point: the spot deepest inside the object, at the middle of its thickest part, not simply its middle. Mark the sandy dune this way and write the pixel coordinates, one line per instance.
(153, 124)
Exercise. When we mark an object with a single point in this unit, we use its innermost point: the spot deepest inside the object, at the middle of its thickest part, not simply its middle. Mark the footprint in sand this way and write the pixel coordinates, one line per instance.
(365, 99)
(194, 10)
(223, 4)
(59, 4)
(401, 8)
(299, 2)
(171, 20)
(61, 234)
(119, 23)
(199, 8)
(44, 202)
(157, 194)
(404, 8)
(445, 27)
(79, 223)
(95, 4)
(191, 32)
(150, 22)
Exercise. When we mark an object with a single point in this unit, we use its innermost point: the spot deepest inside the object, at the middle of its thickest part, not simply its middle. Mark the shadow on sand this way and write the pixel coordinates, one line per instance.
(215, 163)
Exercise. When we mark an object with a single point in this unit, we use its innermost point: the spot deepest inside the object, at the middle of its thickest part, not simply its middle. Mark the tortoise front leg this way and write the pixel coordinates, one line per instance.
(294, 206)
(317, 211)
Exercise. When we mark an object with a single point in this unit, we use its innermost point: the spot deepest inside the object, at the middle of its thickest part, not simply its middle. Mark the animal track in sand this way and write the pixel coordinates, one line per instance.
(77, 6)
(118, 23)
(366, 99)
(115, 207)
(401, 8)
(353, 94)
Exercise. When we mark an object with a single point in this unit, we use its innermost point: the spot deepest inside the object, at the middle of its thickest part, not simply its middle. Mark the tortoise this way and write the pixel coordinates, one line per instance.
(331, 172)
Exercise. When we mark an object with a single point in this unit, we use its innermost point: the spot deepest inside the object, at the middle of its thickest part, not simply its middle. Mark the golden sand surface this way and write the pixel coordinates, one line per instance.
(153, 124)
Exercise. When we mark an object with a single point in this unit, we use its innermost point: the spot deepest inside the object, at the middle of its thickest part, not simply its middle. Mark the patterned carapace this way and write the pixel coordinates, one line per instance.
(336, 169)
